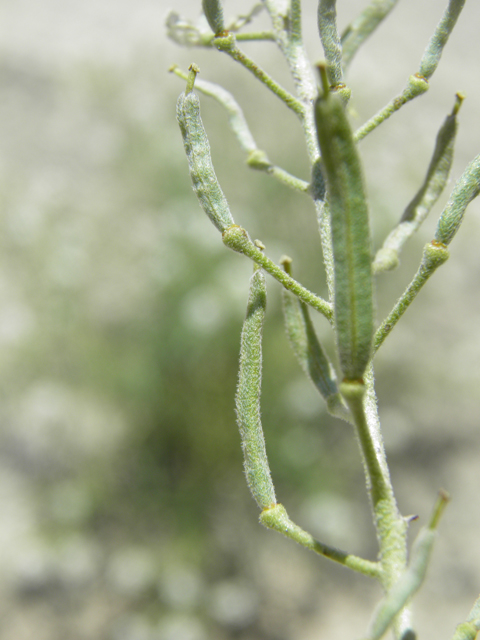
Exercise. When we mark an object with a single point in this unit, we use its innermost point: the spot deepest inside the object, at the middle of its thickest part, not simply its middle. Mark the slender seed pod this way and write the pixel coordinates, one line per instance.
(214, 13)
(351, 242)
(438, 169)
(205, 183)
(309, 352)
(247, 399)
(466, 189)
(434, 50)
(327, 28)
(423, 201)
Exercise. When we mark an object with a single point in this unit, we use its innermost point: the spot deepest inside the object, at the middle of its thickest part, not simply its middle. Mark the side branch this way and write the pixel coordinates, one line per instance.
(237, 239)
(228, 45)
(276, 518)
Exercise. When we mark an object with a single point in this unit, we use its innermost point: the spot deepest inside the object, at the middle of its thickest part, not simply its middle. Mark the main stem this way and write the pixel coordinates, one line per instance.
(390, 526)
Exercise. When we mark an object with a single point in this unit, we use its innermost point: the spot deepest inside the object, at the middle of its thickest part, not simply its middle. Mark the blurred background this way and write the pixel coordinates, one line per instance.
(124, 511)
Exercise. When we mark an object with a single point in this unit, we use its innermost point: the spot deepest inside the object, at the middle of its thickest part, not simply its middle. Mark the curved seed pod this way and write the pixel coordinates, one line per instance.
(205, 183)
(438, 169)
(431, 189)
(247, 400)
(466, 189)
(350, 234)
(214, 13)
(309, 352)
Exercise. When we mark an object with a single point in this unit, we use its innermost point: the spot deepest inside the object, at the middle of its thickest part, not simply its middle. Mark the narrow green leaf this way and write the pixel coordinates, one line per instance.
(350, 234)
(247, 399)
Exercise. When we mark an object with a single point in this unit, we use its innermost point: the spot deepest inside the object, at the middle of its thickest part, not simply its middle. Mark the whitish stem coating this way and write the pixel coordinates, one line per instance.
(228, 45)
(247, 400)
(423, 201)
(466, 631)
(411, 580)
(389, 524)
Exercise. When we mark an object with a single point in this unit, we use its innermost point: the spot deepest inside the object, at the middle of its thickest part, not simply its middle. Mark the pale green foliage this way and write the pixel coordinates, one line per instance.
(339, 197)
(257, 470)
(351, 243)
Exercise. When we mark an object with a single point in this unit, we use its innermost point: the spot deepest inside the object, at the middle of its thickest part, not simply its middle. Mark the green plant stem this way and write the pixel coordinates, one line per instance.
(258, 35)
(411, 580)
(391, 528)
(276, 518)
(284, 177)
(227, 44)
(434, 255)
(237, 239)
(418, 83)
(290, 43)
(415, 87)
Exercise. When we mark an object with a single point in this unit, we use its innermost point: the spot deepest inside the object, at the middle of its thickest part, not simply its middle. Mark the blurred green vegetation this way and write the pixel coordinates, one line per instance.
(121, 318)
(137, 306)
